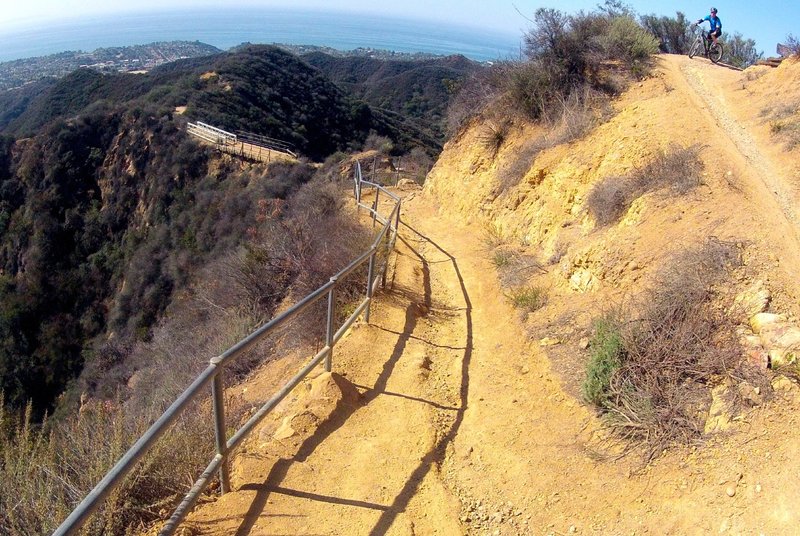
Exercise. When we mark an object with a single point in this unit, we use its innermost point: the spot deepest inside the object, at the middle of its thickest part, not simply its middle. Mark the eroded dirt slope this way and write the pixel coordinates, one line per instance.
(446, 415)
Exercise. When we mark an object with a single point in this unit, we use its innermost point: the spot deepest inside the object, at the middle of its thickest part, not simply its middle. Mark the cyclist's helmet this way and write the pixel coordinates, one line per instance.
(714, 10)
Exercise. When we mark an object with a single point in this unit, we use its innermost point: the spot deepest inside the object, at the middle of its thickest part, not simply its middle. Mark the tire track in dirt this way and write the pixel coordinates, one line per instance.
(447, 355)
(739, 137)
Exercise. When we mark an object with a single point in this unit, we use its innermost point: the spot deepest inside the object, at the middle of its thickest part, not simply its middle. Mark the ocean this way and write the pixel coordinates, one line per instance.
(231, 27)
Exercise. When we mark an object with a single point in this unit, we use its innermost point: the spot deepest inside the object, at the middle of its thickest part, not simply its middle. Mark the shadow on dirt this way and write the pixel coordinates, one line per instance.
(418, 306)
(437, 453)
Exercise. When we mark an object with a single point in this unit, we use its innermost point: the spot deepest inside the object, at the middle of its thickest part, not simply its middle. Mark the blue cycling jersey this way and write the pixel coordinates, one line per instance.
(714, 21)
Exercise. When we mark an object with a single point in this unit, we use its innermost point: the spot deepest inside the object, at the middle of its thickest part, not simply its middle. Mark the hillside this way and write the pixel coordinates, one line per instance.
(453, 413)
(261, 89)
(420, 89)
(108, 209)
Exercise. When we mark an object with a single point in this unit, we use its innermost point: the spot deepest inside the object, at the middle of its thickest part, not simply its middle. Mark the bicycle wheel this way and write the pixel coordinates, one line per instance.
(695, 49)
(715, 52)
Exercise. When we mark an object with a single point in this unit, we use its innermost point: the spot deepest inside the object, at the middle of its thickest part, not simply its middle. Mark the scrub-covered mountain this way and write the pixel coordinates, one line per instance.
(107, 207)
(418, 88)
(258, 88)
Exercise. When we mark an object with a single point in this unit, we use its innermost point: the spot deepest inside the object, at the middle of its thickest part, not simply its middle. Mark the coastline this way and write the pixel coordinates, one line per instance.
(229, 28)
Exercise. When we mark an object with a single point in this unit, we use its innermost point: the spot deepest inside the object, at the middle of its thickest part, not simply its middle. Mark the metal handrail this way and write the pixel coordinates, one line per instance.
(211, 133)
(213, 375)
(266, 142)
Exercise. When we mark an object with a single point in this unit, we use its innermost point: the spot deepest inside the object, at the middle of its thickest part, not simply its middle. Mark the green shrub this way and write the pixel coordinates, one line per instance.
(502, 258)
(627, 41)
(607, 355)
(379, 143)
(652, 362)
(673, 34)
(530, 88)
(739, 51)
(566, 56)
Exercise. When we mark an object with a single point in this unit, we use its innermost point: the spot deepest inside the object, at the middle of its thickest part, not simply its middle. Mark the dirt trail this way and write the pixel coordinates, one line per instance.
(711, 85)
(763, 171)
(445, 418)
(372, 466)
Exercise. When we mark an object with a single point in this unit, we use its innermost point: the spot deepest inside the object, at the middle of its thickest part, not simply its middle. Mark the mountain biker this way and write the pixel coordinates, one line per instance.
(716, 24)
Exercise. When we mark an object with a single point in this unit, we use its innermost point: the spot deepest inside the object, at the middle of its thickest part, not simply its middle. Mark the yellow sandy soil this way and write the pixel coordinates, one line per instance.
(445, 415)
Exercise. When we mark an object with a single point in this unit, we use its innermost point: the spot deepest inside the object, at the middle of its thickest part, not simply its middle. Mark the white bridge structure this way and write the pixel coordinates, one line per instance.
(243, 144)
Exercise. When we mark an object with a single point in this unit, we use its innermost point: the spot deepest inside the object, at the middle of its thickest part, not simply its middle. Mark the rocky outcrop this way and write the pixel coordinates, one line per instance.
(769, 339)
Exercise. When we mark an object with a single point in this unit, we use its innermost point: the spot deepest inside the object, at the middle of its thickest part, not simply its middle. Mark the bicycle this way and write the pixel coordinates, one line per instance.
(712, 50)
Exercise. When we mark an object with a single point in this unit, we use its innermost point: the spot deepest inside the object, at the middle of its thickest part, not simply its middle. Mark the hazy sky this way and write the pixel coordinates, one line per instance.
(766, 21)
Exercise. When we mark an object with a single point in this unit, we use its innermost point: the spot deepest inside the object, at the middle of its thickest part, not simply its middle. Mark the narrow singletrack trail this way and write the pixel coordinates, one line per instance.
(765, 173)
(709, 84)
(446, 418)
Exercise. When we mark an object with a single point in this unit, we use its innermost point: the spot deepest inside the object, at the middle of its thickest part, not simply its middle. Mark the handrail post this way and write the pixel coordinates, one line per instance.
(217, 390)
(375, 206)
(358, 184)
(370, 275)
(396, 225)
(385, 270)
(330, 330)
(393, 240)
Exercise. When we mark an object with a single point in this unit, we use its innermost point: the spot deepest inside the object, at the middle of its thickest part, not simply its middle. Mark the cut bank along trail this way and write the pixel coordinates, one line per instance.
(446, 419)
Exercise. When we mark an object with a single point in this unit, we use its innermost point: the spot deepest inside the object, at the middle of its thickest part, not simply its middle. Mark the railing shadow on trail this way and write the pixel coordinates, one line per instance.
(437, 454)
(409, 397)
(377, 258)
(343, 411)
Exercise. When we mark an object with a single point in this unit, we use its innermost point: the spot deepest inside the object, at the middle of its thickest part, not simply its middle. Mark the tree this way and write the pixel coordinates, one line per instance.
(672, 33)
(616, 8)
(793, 44)
(741, 52)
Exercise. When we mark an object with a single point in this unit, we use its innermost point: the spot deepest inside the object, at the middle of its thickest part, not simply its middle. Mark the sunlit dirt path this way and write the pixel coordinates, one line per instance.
(443, 417)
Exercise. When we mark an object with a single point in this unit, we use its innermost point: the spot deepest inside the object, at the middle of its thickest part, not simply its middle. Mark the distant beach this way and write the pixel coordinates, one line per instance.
(231, 27)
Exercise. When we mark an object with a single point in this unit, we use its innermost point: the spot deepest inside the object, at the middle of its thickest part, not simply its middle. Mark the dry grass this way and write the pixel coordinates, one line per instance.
(515, 270)
(653, 361)
(677, 170)
(528, 298)
(568, 118)
(502, 259)
(493, 135)
(784, 123)
(520, 162)
(46, 469)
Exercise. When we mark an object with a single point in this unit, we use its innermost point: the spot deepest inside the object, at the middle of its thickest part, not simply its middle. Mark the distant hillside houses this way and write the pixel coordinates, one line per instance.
(18, 73)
